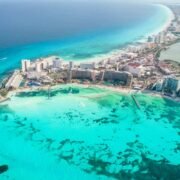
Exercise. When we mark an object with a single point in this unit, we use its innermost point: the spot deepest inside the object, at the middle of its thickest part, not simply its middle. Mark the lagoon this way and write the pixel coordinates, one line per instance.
(93, 133)
(172, 53)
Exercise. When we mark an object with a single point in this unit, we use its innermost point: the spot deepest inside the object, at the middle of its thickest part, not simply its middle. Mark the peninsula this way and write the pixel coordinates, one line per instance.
(115, 116)
(137, 67)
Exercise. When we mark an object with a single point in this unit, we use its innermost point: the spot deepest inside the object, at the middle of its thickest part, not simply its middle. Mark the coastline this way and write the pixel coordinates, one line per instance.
(113, 54)
(32, 53)
(170, 18)
(91, 127)
(142, 40)
(112, 89)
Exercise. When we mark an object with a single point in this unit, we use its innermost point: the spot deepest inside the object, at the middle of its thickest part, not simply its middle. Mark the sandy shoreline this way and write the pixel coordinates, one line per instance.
(109, 88)
(163, 27)
(112, 89)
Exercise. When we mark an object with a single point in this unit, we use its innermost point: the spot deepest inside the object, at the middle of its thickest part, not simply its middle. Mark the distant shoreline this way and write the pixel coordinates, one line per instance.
(113, 52)
(142, 40)
(118, 89)
(170, 18)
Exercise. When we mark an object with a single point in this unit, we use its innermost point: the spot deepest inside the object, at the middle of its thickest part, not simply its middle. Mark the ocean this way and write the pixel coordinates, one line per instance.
(89, 134)
(73, 31)
(86, 133)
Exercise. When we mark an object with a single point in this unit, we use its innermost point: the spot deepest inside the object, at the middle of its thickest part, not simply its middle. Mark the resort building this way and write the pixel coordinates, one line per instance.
(33, 75)
(88, 65)
(39, 66)
(135, 68)
(171, 85)
(158, 86)
(71, 65)
(124, 78)
(84, 74)
(44, 63)
(160, 38)
(57, 63)
(26, 64)
(49, 60)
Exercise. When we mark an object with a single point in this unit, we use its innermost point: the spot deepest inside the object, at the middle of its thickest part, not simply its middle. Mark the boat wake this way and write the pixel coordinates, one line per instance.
(2, 59)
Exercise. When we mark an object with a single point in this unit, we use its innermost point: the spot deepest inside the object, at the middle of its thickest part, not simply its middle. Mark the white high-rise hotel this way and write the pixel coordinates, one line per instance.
(26, 64)
(40, 64)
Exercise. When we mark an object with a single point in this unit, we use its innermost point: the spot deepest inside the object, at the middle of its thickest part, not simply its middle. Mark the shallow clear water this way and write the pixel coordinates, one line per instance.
(91, 134)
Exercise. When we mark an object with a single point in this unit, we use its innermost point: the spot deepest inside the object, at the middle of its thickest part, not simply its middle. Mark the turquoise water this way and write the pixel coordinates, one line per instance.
(91, 134)
(113, 28)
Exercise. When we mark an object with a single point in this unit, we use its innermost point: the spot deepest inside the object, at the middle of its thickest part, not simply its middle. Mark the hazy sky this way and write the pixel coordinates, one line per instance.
(165, 1)
(134, 1)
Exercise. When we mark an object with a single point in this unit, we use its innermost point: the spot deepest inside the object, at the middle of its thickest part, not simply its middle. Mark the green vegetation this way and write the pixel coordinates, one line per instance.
(3, 92)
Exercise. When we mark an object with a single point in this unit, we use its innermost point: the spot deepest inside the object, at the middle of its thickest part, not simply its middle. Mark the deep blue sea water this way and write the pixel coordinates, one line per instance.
(74, 31)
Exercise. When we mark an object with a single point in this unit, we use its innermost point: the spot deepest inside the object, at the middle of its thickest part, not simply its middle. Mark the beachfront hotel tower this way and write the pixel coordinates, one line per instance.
(25, 65)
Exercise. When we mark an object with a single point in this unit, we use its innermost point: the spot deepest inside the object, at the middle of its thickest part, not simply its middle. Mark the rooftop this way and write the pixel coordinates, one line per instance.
(134, 64)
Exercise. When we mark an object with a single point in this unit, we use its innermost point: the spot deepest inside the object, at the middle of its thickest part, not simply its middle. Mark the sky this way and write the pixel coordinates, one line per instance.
(133, 1)
(163, 1)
